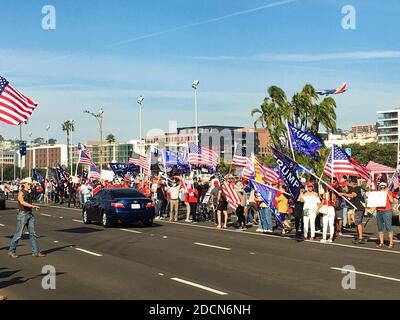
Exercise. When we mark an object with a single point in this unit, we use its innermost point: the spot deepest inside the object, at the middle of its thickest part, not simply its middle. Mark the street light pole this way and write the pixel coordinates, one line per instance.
(195, 84)
(140, 102)
(20, 139)
(30, 156)
(99, 118)
(71, 146)
(47, 151)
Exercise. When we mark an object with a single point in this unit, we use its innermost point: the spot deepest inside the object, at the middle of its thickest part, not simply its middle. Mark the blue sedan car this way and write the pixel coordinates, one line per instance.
(122, 205)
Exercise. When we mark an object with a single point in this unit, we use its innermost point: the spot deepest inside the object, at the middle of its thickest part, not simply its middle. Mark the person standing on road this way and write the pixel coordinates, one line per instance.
(327, 208)
(355, 194)
(214, 200)
(241, 207)
(25, 217)
(311, 202)
(384, 218)
(222, 209)
(193, 199)
(174, 201)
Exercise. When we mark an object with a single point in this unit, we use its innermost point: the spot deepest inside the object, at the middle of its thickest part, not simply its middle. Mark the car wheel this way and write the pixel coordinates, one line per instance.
(85, 217)
(147, 222)
(104, 220)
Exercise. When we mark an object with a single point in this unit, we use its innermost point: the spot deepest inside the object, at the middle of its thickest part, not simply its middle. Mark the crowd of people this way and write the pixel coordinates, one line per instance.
(329, 209)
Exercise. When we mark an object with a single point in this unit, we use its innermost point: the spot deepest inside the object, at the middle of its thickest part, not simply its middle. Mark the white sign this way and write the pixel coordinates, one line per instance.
(107, 175)
(376, 199)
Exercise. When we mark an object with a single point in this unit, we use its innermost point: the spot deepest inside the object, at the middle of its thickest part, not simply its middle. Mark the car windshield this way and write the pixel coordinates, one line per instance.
(126, 193)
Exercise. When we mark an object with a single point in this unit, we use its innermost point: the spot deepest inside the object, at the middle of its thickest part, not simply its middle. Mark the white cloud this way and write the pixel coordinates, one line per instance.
(311, 57)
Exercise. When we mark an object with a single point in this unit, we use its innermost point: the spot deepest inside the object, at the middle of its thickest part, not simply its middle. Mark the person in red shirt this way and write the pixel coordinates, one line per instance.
(384, 217)
(193, 195)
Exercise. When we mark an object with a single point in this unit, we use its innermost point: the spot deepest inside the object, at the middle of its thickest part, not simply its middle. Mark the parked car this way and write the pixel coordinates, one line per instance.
(120, 205)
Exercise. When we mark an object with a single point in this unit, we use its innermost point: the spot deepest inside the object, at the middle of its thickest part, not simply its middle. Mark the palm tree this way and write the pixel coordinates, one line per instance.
(68, 126)
(304, 111)
(273, 113)
(111, 140)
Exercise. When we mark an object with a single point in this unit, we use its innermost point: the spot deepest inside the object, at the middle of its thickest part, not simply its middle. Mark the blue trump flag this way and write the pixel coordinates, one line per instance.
(288, 169)
(303, 142)
(268, 195)
(61, 174)
(121, 169)
(38, 176)
(172, 158)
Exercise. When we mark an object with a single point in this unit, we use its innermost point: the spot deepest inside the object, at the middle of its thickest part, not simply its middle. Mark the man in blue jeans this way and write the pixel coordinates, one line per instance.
(25, 218)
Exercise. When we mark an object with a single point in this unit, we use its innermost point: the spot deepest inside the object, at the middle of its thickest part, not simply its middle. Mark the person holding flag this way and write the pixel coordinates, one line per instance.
(311, 201)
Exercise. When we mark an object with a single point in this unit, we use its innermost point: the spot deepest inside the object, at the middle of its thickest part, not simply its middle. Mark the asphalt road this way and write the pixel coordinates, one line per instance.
(187, 261)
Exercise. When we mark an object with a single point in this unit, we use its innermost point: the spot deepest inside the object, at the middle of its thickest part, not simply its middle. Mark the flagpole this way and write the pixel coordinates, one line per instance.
(304, 168)
(77, 164)
(234, 152)
(333, 162)
(290, 139)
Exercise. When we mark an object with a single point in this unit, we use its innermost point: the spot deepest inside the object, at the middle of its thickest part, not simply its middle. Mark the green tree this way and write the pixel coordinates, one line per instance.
(68, 127)
(385, 154)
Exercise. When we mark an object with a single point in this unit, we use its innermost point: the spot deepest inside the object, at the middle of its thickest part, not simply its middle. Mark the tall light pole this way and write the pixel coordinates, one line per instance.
(140, 102)
(195, 84)
(47, 151)
(30, 164)
(99, 118)
(71, 146)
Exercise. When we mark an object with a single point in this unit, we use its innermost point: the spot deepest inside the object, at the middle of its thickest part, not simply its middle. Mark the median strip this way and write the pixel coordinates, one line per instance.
(80, 221)
(89, 252)
(196, 285)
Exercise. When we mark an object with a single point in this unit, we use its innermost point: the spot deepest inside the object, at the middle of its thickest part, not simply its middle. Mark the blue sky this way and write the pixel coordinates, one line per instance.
(107, 53)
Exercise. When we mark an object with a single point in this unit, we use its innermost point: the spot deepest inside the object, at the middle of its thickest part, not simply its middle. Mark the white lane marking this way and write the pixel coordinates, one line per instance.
(280, 237)
(2, 225)
(77, 220)
(367, 274)
(160, 274)
(211, 246)
(165, 237)
(55, 241)
(89, 252)
(193, 284)
(133, 231)
(45, 214)
(354, 247)
(61, 217)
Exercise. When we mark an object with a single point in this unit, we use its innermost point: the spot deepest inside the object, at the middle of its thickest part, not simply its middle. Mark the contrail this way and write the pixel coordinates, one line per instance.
(274, 4)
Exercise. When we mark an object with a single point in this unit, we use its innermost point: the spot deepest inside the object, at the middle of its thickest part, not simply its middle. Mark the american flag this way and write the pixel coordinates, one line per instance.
(239, 158)
(248, 171)
(15, 108)
(94, 172)
(268, 174)
(142, 162)
(84, 158)
(342, 165)
(231, 195)
(80, 147)
(202, 156)
(394, 182)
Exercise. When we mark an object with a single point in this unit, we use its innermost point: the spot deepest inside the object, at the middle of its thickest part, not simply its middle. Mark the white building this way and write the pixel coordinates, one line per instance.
(340, 140)
(388, 126)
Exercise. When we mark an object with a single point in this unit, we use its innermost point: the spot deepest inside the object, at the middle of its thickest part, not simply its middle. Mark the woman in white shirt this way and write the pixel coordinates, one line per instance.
(311, 201)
